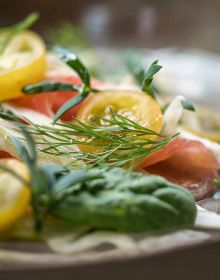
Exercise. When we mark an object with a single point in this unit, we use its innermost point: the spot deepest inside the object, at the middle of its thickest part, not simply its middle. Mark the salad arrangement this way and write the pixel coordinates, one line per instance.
(76, 150)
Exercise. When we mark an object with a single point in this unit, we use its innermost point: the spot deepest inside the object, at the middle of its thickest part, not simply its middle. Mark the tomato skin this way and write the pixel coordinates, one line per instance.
(193, 166)
(49, 103)
(132, 104)
(166, 152)
(59, 98)
(4, 154)
(39, 103)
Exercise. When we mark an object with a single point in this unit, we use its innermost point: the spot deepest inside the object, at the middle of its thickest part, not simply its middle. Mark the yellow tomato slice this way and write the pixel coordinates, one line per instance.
(22, 62)
(14, 194)
(134, 105)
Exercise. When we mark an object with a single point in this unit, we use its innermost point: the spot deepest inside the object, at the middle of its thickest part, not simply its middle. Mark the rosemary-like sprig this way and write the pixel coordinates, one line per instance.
(119, 142)
(84, 90)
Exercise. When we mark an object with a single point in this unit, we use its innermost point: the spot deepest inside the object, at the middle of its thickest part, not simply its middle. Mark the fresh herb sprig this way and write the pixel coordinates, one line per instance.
(148, 78)
(7, 33)
(49, 86)
(121, 141)
(84, 90)
(68, 57)
(143, 77)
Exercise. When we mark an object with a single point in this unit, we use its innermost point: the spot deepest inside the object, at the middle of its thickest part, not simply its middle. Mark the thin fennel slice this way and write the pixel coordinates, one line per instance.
(8, 129)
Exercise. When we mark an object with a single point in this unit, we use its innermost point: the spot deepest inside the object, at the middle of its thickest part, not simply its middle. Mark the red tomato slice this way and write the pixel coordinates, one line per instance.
(166, 152)
(4, 154)
(59, 98)
(191, 165)
(39, 103)
(49, 103)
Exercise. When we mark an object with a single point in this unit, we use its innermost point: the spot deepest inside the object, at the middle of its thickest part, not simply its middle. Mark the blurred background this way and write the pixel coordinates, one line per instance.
(182, 34)
(130, 23)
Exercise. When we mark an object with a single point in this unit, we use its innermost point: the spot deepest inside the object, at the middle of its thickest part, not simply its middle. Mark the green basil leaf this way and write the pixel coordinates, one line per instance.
(52, 171)
(68, 181)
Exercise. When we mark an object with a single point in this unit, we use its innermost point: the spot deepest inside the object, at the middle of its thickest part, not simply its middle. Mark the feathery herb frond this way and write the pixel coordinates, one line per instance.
(120, 141)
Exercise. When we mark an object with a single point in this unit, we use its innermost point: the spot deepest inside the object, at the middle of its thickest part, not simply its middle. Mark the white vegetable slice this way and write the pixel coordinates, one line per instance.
(9, 129)
(172, 115)
(207, 219)
(31, 115)
(69, 244)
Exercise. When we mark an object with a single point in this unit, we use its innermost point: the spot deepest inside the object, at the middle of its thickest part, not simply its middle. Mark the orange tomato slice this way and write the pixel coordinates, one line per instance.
(134, 105)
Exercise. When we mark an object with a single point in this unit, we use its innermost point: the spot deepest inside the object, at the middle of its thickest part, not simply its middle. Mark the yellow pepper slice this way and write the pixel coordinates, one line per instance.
(22, 62)
(14, 194)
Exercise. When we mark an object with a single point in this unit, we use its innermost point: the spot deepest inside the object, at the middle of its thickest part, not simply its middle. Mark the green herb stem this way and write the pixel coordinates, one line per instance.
(120, 142)
(49, 86)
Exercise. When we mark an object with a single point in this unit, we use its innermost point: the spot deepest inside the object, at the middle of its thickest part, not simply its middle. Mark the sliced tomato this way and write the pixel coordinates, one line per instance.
(49, 103)
(4, 154)
(166, 152)
(39, 103)
(188, 163)
(135, 105)
(59, 98)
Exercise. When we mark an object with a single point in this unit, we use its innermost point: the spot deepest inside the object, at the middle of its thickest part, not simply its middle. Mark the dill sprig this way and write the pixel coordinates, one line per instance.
(118, 141)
